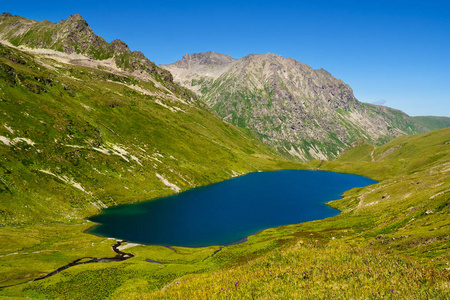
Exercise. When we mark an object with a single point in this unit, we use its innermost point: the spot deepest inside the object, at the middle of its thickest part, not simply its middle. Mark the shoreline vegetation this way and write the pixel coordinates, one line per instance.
(382, 226)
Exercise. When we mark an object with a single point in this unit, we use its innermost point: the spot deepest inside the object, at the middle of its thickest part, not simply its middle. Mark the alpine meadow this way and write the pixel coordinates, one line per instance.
(87, 125)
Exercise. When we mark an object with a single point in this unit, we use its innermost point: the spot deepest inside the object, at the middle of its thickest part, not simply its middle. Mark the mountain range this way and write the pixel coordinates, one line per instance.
(304, 113)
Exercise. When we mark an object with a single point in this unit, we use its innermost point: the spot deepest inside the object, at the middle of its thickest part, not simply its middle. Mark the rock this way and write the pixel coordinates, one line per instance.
(305, 113)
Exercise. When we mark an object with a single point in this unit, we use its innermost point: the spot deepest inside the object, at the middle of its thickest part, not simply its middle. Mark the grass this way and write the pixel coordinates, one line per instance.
(432, 122)
(391, 238)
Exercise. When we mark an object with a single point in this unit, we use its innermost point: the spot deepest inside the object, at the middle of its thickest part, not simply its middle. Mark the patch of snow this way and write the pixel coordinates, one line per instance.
(102, 204)
(9, 128)
(67, 180)
(235, 174)
(26, 140)
(85, 106)
(136, 159)
(371, 203)
(119, 151)
(5, 140)
(154, 158)
(169, 184)
(74, 146)
(95, 205)
(129, 245)
(438, 194)
(171, 108)
(14, 141)
(101, 150)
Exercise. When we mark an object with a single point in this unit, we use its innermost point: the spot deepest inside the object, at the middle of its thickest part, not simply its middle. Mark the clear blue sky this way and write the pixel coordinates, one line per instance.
(392, 52)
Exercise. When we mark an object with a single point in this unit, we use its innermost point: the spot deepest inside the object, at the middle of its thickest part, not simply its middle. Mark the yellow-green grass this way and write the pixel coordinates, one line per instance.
(393, 235)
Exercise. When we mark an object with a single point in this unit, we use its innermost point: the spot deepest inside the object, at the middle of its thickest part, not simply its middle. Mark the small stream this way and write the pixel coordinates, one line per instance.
(120, 256)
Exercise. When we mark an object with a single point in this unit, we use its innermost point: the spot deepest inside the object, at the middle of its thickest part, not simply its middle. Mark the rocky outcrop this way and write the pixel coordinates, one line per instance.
(74, 35)
(305, 113)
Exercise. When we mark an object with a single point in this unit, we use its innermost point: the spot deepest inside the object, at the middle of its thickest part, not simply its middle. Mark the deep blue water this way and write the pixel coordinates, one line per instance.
(228, 211)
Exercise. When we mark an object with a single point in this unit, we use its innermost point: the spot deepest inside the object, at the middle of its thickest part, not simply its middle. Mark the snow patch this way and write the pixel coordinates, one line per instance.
(129, 245)
(85, 106)
(14, 141)
(9, 128)
(171, 108)
(5, 140)
(235, 174)
(136, 159)
(67, 180)
(371, 203)
(169, 184)
(119, 151)
(102, 150)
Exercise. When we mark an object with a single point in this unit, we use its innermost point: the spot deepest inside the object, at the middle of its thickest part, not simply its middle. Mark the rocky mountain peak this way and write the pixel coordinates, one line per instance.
(305, 113)
(75, 18)
(120, 45)
(204, 58)
(75, 23)
(74, 35)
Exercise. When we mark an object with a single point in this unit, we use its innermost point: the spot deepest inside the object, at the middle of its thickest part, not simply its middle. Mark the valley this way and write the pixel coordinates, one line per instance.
(86, 125)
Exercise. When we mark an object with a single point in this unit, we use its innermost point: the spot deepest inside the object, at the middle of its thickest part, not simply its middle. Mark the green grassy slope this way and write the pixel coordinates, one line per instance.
(390, 241)
(75, 139)
(432, 122)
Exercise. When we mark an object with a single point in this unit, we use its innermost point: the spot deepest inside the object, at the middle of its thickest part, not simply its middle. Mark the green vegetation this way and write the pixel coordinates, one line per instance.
(75, 139)
(287, 107)
(433, 123)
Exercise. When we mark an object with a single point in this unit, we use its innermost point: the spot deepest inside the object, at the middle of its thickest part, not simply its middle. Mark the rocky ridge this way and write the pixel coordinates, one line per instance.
(305, 113)
(75, 36)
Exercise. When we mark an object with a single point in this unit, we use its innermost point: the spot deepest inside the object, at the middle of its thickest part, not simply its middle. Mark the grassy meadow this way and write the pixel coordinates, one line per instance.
(75, 139)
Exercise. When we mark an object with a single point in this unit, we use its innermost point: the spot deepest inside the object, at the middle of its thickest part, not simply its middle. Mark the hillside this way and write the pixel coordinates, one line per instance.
(432, 122)
(80, 132)
(74, 36)
(305, 113)
(390, 241)
(75, 139)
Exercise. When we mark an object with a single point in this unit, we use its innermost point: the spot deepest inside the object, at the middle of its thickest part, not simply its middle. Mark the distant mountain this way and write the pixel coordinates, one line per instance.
(304, 113)
(432, 122)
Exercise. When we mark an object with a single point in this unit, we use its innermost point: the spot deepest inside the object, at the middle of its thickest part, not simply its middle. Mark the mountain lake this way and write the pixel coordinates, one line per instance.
(227, 212)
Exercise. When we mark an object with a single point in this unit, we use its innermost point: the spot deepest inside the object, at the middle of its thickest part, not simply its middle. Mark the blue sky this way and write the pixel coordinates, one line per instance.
(391, 52)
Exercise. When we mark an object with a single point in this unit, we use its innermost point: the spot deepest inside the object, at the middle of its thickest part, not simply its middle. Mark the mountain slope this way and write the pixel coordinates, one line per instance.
(433, 122)
(75, 36)
(75, 139)
(390, 240)
(305, 113)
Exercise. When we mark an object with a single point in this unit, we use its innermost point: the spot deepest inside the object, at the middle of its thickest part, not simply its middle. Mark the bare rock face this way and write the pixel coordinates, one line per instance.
(305, 113)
